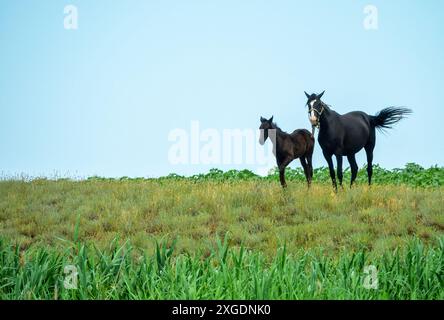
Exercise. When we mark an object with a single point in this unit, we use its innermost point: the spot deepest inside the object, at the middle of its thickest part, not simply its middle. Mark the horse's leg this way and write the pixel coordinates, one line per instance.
(329, 159)
(310, 166)
(353, 167)
(369, 151)
(339, 169)
(370, 166)
(282, 177)
(306, 170)
(282, 167)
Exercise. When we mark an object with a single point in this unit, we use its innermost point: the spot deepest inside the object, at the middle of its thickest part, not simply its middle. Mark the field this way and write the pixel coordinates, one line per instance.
(227, 235)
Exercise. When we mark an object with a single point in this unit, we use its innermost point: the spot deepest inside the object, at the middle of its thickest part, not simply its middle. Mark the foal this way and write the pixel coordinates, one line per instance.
(287, 147)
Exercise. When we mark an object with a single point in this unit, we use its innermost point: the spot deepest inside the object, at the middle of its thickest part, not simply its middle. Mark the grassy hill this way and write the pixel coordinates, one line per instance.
(80, 222)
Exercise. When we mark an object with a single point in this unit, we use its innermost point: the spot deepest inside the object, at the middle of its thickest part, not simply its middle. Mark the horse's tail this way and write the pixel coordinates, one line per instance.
(385, 118)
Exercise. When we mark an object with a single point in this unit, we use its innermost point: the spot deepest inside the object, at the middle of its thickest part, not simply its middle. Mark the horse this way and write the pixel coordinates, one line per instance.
(345, 135)
(287, 147)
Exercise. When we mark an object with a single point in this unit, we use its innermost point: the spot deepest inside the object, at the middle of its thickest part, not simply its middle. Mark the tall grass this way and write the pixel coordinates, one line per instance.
(414, 272)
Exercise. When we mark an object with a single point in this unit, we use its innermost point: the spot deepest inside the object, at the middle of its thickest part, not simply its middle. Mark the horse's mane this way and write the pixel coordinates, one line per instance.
(326, 106)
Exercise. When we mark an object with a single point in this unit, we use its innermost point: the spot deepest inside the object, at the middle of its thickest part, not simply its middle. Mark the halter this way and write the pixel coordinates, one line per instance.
(311, 109)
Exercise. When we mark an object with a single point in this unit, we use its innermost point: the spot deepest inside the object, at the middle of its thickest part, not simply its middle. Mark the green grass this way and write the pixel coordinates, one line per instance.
(258, 214)
(415, 272)
(396, 225)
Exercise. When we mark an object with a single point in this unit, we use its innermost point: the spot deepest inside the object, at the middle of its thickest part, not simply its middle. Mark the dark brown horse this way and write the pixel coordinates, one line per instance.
(287, 147)
(346, 134)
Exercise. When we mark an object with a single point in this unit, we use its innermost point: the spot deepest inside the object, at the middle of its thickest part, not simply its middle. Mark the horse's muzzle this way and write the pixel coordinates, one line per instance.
(314, 121)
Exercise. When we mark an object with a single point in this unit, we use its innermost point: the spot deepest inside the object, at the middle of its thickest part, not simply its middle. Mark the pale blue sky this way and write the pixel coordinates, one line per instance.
(102, 99)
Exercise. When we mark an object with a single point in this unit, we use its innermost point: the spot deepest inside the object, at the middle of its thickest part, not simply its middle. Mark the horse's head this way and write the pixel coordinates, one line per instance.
(315, 107)
(265, 126)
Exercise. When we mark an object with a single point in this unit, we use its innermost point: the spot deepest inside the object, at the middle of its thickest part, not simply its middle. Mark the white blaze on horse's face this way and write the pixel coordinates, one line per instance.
(313, 118)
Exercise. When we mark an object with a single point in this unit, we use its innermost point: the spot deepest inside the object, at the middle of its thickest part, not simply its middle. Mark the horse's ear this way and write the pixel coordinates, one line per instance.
(263, 119)
(271, 119)
(320, 95)
(307, 95)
